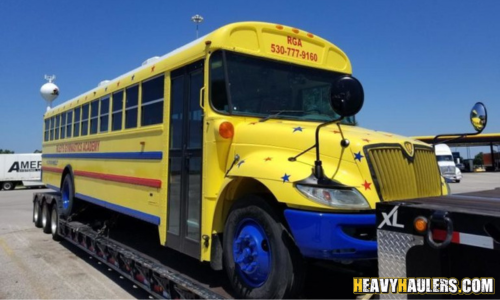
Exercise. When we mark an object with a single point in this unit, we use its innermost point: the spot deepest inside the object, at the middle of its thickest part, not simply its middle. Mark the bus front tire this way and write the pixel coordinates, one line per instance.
(67, 196)
(260, 257)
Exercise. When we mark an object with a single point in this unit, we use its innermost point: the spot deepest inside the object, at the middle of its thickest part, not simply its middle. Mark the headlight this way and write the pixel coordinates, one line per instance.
(338, 198)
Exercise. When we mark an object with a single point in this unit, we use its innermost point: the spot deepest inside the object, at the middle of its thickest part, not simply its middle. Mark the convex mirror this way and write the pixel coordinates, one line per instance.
(478, 117)
(347, 96)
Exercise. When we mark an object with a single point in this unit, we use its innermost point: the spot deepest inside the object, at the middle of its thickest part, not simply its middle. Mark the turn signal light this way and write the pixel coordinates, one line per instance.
(420, 224)
(226, 130)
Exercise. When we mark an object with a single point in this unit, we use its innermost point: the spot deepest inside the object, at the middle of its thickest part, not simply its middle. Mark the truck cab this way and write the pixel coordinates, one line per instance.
(446, 163)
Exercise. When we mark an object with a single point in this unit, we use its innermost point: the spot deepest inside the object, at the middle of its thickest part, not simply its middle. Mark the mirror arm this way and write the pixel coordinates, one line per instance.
(458, 136)
(318, 168)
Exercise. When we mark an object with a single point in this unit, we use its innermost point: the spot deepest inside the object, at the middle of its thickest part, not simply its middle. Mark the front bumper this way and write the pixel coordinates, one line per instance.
(452, 178)
(325, 235)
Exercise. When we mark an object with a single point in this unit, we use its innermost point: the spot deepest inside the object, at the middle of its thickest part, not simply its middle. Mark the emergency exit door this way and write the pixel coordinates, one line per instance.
(184, 187)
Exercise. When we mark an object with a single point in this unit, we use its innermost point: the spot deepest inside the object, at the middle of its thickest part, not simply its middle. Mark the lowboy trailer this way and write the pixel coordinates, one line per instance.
(144, 271)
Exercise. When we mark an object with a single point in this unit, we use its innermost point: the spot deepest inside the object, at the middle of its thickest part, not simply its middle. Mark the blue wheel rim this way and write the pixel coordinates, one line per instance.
(65, 194)
(252, 253)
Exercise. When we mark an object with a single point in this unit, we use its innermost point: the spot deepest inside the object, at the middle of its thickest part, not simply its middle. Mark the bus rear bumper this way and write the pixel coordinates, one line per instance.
(333, 236)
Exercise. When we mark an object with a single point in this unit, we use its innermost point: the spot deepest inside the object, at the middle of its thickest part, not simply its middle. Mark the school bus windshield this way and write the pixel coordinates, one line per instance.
(252, 86)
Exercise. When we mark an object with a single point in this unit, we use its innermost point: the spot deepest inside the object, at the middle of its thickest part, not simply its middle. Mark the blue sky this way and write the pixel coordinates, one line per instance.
(423, 64)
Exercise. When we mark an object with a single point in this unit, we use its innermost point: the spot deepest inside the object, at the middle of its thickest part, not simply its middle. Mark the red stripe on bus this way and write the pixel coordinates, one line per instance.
(123, 179)
(52, 169)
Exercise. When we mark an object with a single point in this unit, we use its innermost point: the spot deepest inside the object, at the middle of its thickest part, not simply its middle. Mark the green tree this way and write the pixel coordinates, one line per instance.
(478, 159)
(5, 151)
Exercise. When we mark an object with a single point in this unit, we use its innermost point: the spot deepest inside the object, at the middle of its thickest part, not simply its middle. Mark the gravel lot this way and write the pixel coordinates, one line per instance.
(34, 266)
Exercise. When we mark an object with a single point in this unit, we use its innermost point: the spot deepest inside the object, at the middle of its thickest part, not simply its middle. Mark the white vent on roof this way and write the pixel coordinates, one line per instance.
(150, 60)
(104, 82)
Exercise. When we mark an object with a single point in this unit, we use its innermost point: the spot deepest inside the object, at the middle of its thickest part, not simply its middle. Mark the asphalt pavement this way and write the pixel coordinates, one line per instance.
(33, 266)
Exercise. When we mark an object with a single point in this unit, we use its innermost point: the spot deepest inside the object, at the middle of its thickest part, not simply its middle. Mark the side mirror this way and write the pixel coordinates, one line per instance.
(479, 117)
(346, 96)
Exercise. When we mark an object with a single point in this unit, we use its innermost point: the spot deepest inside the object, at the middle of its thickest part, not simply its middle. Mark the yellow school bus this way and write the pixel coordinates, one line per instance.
(242, 147)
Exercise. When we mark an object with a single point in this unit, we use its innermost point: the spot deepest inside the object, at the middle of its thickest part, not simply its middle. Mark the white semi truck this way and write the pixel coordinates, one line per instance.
(20, 169)
(446, 163)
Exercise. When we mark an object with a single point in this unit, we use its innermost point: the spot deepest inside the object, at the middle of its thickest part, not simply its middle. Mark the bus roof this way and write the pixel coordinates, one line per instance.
(269, 40)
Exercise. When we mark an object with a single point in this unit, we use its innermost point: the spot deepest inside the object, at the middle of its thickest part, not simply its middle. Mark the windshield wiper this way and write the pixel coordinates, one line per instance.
(280, 112)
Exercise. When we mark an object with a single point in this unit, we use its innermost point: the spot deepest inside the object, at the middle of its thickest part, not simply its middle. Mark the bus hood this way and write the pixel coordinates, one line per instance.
(265, 151)
(294, 137)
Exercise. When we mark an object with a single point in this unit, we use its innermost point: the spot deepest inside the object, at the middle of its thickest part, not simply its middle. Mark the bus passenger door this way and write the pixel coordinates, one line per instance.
(185, 154)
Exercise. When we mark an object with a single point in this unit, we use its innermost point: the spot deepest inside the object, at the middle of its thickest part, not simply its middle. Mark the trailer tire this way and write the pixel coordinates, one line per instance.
(67, 196)
(46, 217)
(54, 224)
(8, 185)
(37, 213)
(260, 257)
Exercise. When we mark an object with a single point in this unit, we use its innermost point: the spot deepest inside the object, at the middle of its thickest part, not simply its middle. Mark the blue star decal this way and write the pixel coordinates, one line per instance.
(286, 178)
(240, 163)
(358, 156)
(297, 129)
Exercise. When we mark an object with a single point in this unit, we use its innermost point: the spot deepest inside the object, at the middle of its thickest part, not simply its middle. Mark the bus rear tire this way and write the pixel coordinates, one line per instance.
(67, 196)
(260, 257)
(54, 224)
(37, 213)
(46, 217)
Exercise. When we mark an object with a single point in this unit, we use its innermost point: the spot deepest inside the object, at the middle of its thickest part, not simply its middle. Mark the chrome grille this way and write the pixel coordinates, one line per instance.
(397, 177)
(448, 170)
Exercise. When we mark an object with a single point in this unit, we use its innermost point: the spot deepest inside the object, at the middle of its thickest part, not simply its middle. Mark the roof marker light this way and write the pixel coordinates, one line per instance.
(295, 30)
(310, 35)
(279, 27)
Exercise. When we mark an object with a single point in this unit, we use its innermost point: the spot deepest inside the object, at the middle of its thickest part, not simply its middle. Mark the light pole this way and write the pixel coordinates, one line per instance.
(197, 19)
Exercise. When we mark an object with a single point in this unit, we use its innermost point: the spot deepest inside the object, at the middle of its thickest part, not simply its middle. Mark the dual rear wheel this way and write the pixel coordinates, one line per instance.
(46, 216)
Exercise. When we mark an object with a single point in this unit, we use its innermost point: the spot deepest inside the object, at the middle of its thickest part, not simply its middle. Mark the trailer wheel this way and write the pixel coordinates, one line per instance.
(67, 196)
(37, 213)
(54, 224)
(8, 186)
(46, 218)
(260, 257)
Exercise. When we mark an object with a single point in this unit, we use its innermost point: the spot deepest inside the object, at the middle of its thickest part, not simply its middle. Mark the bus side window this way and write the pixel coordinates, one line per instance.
(104, 114)
(152, 101)
(56, 131)
(94, 116)
(63, 125)
(69, 122)
(76, 128)
(85, 119)
(116, 118)
(46, 135)
(52, 128)
(131, 105)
